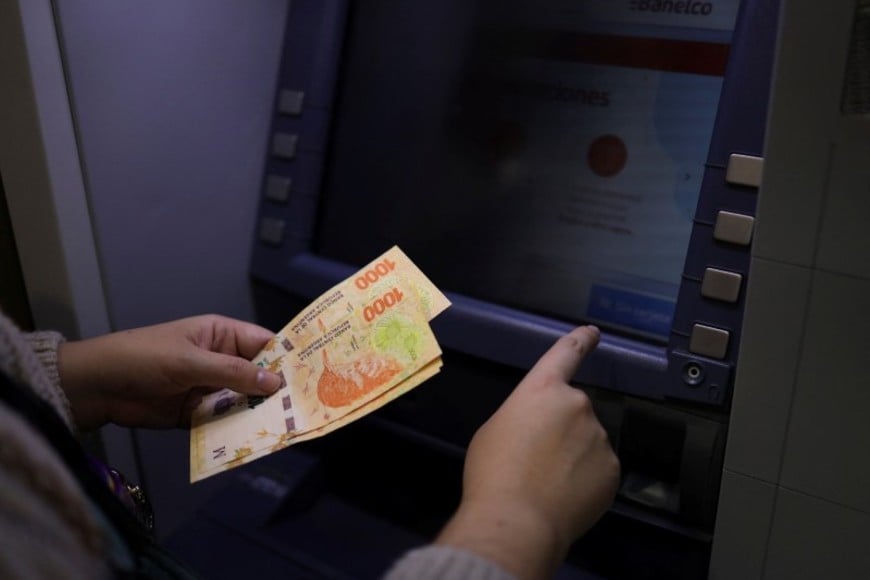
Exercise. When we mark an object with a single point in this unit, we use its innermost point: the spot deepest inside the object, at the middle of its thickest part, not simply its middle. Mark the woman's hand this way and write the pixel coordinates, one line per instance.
(154, 376)
(539, 472)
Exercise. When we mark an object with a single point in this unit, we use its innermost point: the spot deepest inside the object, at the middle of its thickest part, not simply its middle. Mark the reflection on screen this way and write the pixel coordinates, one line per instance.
(548, 158)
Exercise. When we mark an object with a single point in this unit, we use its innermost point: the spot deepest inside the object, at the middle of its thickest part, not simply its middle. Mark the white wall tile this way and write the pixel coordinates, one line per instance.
(797, 150)
(742, 527)
(790, 202)
(777, 296)
(813, 539)
(827, 451)
(844, 245)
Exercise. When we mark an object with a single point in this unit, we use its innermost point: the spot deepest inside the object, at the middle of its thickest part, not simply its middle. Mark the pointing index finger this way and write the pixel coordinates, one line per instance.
(565, 356)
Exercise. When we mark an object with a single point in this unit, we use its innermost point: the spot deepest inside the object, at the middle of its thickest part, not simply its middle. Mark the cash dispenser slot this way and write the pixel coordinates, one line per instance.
(651, 450)
(671, 458)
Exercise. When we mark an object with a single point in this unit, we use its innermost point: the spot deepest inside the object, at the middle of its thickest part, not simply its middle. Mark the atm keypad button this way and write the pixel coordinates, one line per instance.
(744, 170)
(290, 102)
(278, 188)
(709, 341)
(734, 228)
(721, 285)
(271, 231)
(284, 145)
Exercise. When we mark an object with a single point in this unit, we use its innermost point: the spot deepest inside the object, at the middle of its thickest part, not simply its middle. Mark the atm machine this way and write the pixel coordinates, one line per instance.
(546, 165)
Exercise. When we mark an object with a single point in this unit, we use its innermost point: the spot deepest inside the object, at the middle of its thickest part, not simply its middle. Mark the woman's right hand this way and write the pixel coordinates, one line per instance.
(540, 471)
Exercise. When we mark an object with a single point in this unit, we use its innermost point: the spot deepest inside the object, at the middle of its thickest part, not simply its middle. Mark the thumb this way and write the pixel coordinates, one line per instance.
(214, 369)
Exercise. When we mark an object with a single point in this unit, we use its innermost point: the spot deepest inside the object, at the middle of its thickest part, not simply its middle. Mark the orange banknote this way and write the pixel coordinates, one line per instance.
(363, 339)
(290, 438)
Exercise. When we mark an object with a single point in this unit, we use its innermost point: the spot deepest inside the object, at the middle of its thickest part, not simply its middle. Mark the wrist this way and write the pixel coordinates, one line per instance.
(518, 538)
(80, 384)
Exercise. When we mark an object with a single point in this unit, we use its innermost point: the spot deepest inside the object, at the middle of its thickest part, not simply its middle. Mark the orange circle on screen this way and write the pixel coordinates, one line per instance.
(607, 155)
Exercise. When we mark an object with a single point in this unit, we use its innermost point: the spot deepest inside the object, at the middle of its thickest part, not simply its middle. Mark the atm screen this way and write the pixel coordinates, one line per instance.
(544, 156)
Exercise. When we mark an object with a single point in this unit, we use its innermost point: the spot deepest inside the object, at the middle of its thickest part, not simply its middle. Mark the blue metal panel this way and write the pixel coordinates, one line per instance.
(739, 129)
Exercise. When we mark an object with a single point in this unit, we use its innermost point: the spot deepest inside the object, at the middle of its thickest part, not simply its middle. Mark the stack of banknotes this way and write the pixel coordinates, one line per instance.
(360, 345)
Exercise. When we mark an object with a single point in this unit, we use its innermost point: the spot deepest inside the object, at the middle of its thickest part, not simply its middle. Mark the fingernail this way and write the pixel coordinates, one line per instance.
(267, 383)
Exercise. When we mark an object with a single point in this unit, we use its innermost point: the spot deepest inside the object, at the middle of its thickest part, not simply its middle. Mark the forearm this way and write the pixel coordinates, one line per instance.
(518, 539)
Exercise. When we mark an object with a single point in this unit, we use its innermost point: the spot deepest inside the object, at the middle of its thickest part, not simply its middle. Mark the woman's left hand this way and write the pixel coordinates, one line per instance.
(154, 376)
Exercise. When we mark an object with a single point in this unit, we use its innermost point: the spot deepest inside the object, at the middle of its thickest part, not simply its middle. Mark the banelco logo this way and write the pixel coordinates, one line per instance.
(690, 7)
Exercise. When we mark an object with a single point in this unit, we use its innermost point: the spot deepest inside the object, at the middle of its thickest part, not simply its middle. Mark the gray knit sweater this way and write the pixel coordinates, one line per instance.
(51, 530)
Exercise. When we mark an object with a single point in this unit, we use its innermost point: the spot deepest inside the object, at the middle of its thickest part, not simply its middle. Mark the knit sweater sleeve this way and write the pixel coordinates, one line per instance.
(31, 359)
(445, 563)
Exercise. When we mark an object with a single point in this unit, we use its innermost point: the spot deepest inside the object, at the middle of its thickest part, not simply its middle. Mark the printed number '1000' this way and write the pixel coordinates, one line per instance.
(373, 274)
(380, 305)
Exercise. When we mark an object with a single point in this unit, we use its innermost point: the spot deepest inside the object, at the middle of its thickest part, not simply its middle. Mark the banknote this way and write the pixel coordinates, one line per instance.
(276, 443)
(379, 285)
(372, 288)
(339, 358)
(370, 291)
(224, 425)
(342, 383)
(340, 368)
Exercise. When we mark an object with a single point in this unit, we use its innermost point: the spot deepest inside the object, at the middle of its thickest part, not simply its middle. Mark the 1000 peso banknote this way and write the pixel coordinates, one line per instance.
(360, 345)
(405, 386)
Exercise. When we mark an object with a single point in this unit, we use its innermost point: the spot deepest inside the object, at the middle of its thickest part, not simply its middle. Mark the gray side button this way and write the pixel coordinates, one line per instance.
(278, 188)
(290, 102)
(744, 170)
(734, 228)
(284, 145)
(709, 341)
(721, 285)
(271, 231)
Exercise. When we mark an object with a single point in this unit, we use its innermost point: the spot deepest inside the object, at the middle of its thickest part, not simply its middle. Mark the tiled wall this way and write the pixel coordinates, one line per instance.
(795, 500)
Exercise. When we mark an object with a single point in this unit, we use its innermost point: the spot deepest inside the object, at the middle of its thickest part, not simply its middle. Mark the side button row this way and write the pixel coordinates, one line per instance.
(724, 285)
(278, 187)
